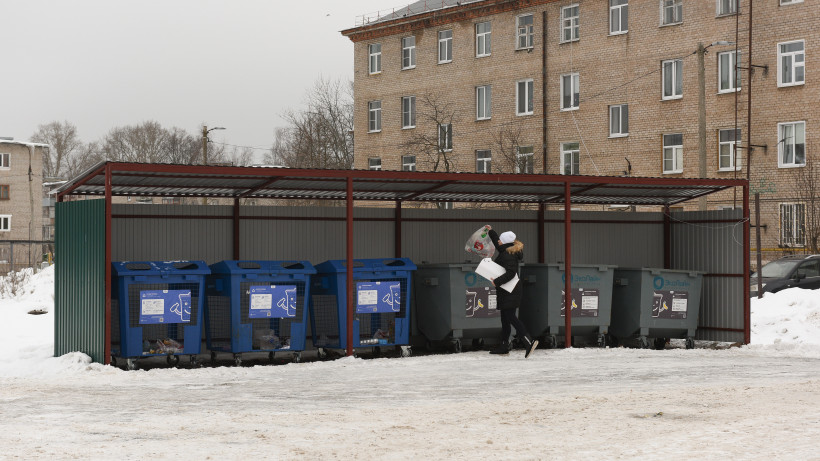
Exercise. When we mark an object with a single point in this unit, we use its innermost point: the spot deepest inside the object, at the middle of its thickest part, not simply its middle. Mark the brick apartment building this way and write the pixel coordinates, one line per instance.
(21, 204)
(603, 87)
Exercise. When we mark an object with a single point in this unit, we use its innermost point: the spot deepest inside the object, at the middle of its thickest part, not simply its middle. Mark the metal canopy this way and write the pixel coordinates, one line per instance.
(166, 180)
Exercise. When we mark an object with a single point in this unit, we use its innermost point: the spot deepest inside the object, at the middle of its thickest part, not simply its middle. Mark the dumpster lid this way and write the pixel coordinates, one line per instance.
(367, 265)
(262, 267)
(122, 268)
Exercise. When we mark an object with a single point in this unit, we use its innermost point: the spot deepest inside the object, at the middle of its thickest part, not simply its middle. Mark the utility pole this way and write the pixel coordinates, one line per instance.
(205, 132)
(701, 120)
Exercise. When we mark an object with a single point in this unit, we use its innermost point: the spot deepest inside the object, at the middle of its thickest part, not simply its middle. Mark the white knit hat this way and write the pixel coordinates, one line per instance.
(507, 237)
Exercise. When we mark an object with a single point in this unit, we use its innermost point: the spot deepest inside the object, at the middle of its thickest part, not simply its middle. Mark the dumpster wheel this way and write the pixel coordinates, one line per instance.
(456, 345)
(602, 340)
(660, 343)
(297, 357)
(429, 346)
(237, 360)
(478, 344)
(271, 355)
(213, 358)
(690, 343)
(131, 364)
(321, 353)
(172, 360)
(377, 351)
(113, 361)
(406, 351)
(643, 342)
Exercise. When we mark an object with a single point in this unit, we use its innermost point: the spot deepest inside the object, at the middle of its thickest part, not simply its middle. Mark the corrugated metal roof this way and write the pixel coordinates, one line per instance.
(164, 180)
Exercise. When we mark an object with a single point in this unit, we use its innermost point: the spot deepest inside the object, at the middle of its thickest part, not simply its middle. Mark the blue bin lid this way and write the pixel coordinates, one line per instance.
(262, 267)
(124, 268)
(367, 265)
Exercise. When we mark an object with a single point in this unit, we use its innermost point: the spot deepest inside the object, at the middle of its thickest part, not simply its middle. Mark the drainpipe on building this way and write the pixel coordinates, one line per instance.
(544, 89)
(701, 120)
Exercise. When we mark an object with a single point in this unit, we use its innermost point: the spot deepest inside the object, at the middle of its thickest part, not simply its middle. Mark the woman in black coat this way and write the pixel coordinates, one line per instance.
(510, 254)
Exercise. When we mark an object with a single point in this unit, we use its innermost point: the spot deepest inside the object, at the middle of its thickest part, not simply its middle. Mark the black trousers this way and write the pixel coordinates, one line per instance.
(508, 318)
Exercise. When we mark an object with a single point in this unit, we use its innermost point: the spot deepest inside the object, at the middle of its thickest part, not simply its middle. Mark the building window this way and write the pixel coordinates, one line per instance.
(570, 158)
(374, 163)
(792, 225)
(619, 120)
(725, 7)
(445, 137)
(483, 161)
(5, 223)
(445, 46)
(523, 24)
(483, 42)
(5, 161)
(523, 97)
(728, 76)
(791, 144)
(790, 2)
(375, 116)
(671, 12)
(673, 153)
(791, 68)
(4, 192)
(570, 95)
(408, 163)
(483, 102)
(727, 142)
(523, 160)
(408, 112)
(375, 51)
(672, 79)
(408, 52)
(618, 17)
(569, 23)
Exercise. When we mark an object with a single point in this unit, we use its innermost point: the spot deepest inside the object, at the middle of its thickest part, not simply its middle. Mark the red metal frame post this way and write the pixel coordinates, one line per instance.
(567, 266)
(397, 230)
(541, 243)
(349, 278)
(236, 229)
(107, 358)
(747, 316)
(667, 237)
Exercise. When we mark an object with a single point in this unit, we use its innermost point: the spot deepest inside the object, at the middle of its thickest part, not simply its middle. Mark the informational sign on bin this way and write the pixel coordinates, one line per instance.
(481, 303)
(584, 302)
(670, 304)
(165, 306)
(272, 301)
(378, 297)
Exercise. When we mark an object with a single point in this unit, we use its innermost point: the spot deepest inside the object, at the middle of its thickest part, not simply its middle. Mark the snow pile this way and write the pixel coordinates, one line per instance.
(787, 320)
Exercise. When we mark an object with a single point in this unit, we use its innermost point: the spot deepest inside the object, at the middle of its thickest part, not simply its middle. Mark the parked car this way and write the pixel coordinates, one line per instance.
(788, 272)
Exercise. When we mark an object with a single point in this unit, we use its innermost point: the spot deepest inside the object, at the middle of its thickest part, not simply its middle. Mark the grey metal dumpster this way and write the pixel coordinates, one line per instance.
(454, 304)
(542, 306)
(657, 303)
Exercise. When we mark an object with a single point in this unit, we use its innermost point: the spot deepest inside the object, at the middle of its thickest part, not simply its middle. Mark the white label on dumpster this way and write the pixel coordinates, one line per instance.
(492, 304)
(589, 302)
(679, 304)
(153, 306)
(368, 297)
(261, 301)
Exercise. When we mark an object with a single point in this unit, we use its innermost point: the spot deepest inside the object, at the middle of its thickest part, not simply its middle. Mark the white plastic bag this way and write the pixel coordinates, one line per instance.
(480, 243)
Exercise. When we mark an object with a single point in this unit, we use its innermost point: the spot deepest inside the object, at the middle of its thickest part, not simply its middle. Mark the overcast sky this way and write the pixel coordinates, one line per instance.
(235, 63)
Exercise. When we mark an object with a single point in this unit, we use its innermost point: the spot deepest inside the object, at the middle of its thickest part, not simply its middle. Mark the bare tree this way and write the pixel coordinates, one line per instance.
(181, 147)
(240, 156)
(62, 137)
(136, 143)
(806, 190)
(433, 136)
(506, 143)
(319, 137)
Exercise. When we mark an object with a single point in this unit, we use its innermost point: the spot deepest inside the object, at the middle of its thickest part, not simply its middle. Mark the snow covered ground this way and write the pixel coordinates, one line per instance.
(760, 401)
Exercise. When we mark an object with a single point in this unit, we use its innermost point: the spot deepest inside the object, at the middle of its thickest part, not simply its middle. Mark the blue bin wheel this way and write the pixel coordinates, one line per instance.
(213, 358)
(271, 356)
(377, 351)
(195, 362)
(406, 351)
(456, 345)
(131, 364)
(321, 353)
(297, 357)
(172, 360)
(690, 343)
(237, 360)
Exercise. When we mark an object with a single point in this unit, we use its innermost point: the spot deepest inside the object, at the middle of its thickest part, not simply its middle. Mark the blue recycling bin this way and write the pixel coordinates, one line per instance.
(158, 309)
(257, 306)
(382, 304)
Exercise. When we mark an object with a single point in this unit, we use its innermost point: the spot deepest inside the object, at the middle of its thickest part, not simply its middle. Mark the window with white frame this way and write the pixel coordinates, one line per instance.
(445, 46)
(523, 97)
(728, 75)
(791, 59)
(5, 161)
(673, 153)
(790, 2)
(725, 7)
(408, 112)
(569, 23)
(792, 224)
(483, 36)
(791, 144)
(408, 52)
(524, 159)
(618, 17)
(374, 163)
(671, 12)
(445, 137)
(483, 102)
(483, 161)
(4, 192)
(524, 34)
(374, 118)
(727, 149)
(408, 163)
(5, 223)
(672, 79)
(570, 158)
(375, 52)
(619, 120)
(570, 93)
